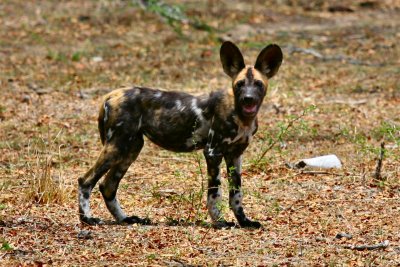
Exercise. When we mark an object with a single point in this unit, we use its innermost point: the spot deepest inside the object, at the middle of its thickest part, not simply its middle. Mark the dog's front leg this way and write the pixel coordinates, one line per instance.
(214, 193)
(234, 166)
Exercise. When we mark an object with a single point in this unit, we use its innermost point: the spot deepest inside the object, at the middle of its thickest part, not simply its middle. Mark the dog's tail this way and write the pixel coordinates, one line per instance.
(101, 119)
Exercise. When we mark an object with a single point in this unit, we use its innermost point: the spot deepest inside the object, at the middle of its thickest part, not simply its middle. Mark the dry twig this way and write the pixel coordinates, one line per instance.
(341, 235)
(378, 175)
(381, 245)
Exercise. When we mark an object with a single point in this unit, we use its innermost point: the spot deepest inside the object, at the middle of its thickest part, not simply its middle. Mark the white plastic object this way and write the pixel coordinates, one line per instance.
(326, 162)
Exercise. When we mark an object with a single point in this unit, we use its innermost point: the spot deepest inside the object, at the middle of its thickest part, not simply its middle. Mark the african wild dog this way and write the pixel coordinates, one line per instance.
(222, 123)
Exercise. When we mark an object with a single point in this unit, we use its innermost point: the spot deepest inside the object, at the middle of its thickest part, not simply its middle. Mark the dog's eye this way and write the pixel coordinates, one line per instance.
(240, 84)
(259, 84)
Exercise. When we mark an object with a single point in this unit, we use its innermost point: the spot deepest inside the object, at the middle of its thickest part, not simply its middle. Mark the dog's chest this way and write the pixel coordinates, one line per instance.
(244, 134)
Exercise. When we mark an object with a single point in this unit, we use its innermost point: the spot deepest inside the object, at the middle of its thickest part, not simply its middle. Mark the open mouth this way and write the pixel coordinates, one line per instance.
(249, 109)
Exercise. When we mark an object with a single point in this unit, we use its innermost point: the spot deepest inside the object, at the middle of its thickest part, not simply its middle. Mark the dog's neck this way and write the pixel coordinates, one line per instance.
(244, 123)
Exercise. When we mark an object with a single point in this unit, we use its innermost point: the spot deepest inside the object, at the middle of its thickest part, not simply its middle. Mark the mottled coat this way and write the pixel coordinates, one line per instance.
(221, 123)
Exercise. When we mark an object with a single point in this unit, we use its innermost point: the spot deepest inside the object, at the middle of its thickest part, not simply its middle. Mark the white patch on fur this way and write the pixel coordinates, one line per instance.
(211, 152)
(196, 109)
(84, 203)
(236, 201)
(136, 92)
(178, 104)
(119, 123)
(211, 132)
(109, 134)
(212, 205)
(140, 122)
(237, 163)
(115, 209)
(105, 112)
(209, 142)
(201, 132)
(158, 94)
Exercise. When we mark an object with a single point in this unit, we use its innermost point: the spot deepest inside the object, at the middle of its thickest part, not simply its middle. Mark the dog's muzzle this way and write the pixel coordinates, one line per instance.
(249, 105)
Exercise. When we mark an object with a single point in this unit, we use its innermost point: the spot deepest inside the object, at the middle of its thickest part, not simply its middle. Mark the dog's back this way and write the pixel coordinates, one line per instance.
(176, 121)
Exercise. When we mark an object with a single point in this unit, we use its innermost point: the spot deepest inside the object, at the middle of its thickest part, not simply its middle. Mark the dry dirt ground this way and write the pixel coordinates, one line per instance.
(338, 92)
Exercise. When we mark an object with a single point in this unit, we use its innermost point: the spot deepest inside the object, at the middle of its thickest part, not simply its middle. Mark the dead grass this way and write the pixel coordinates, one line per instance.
(46, 182)
(58, 59)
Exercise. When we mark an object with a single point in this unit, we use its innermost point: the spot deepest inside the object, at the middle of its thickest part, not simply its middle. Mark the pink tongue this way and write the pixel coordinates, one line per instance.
(250, 109)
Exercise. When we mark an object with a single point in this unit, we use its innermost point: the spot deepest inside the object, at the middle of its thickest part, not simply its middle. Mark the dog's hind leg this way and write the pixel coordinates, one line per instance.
(107, 158)
(109, 186)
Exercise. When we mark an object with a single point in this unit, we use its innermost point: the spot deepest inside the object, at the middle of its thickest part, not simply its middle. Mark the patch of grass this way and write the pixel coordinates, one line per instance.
(2, 110)
(151, 256)
(76, 56)
(37, 38)
(57, 56)
(46, 184)
(388, 131)
(4, 185)
(5, 245)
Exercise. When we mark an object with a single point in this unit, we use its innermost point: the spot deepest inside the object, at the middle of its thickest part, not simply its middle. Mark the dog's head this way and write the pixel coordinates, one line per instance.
(250, 83)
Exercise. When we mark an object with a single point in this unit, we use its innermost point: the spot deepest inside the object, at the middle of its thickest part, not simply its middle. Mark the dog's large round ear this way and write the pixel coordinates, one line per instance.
(231, 59)
(269, 60)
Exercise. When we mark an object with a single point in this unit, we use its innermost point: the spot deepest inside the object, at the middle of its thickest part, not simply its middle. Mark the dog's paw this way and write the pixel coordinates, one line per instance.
(250, 224)
(223, 224)
(91, 220)
(136, 219)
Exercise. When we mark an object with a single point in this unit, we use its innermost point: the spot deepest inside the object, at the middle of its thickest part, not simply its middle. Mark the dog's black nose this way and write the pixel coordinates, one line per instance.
(248, 100)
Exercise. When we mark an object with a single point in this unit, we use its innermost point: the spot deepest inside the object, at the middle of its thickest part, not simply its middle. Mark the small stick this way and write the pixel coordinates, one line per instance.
(377, 175)
(341, 235)
(381, 245)
(204, 236)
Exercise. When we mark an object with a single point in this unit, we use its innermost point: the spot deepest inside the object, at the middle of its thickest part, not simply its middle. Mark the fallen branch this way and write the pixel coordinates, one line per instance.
(293, 49)
(341, 235)
(381, 245)
(378, 175)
